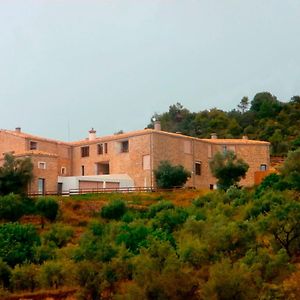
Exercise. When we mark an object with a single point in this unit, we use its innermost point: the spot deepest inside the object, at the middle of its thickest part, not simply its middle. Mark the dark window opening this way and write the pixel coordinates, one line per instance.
(211, 186)
(198, 168)
(33, 145)
(59, 188)
(102, 168)
(102, 148)
(124, 146)
(85, 151)
(82, 170)
(263, 167)
(41, 186)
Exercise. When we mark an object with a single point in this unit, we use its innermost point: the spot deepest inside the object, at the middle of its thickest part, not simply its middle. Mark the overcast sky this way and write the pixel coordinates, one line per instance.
(111, 64)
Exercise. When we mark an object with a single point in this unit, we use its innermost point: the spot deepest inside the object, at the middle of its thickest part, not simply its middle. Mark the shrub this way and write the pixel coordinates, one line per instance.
(5, 273)
(59, 234)
(170, 219)
(11, 207)
(17, 243)
(228, 169)
(114, 210)
(133, 236)
(48, 208)
(55, 274)
(15, 174)
(87, 277)
(25, 277)
(168, 176)
(157, 207)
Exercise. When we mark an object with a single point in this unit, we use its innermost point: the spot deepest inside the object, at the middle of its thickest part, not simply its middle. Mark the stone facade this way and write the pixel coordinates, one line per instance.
(136, 154)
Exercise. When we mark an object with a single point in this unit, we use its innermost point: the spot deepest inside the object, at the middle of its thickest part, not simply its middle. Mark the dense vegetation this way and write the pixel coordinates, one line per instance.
(15, 175)
(168, 176)
(238, 244)
(263, 118)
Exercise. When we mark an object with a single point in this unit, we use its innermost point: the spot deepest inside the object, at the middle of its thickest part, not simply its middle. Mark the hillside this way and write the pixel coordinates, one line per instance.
(232, 243)
(262, 118)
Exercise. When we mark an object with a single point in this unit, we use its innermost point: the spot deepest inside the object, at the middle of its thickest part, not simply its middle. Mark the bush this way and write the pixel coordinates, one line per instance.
(17, 243)
(168, 176)
(228, 169)
(25, 277)
(55, 274)
(87, 277)
(11, 207)
(59, 234)
(170, 219)
(5, 273)
(114, 210)
(48, 208)
(133, 236)
(156, 208)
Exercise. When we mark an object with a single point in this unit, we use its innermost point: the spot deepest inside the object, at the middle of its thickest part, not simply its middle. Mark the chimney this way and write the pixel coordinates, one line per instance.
(18, 129)
(213, 136)
(157, 125)
(245, 137)
(92, 134)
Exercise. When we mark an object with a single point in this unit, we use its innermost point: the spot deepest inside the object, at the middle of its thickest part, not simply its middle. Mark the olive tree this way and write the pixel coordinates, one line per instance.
(168, 176)
(228, 169)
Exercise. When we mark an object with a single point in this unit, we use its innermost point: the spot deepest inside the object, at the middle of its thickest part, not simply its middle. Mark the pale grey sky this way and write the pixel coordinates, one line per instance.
(111, 64)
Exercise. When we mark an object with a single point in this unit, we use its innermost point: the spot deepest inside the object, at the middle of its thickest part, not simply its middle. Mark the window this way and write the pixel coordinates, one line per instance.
(42, 165)
(32, 145)
(263, 167)
(41, 186)
(224, 149)
(102, 148)
(63, 171)
(198, 168)
(102, 168)
(146, 162)
(187, 147)
(85, 151)
(124, 146)
(209, 151)
(82, 170)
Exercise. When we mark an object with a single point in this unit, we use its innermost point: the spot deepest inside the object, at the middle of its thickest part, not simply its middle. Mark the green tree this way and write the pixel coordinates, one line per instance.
(244, 104)
(11, 207)
(17, 243)
(291, 169)
(15, 175)
(283, 222)
(265, 105)
(47, 207)
(114, 210)
(228, 169)
(168, 176)
(59, 234)
(25, 277)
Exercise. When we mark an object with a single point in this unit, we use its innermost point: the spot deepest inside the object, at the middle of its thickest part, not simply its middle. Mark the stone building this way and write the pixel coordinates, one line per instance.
(126, 160)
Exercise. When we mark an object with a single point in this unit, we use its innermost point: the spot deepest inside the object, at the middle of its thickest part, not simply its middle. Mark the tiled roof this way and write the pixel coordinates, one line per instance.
(33, 137)
(235, 141)
(137, 133)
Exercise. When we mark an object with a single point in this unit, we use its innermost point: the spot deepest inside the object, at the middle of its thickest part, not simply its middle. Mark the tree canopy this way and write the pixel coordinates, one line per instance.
(262, 118)
(15, 175)
(228, 169)
(169, 176)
